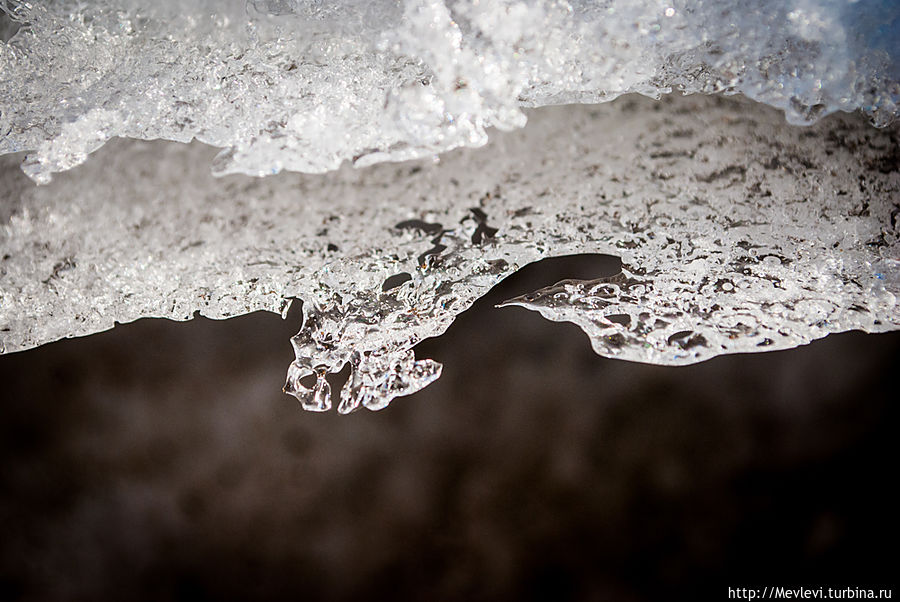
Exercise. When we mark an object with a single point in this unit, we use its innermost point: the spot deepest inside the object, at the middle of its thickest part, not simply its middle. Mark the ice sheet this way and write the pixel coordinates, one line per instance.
(737, 233)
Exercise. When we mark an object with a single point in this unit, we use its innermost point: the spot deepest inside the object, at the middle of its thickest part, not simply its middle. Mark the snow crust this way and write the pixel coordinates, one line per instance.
(306, 85)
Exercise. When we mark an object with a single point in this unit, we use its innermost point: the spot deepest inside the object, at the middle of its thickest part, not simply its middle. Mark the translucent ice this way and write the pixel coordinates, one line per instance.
(306, 85)
(736, 233)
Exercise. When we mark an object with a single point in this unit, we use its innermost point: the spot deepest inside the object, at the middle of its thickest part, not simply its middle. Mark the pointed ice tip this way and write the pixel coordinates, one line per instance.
(514, 301)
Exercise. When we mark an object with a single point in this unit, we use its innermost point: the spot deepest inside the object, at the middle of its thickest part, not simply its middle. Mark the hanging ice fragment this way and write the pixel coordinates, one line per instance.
(736, 234)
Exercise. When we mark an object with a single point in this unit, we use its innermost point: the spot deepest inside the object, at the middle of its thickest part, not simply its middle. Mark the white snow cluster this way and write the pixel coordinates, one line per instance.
(305, 85)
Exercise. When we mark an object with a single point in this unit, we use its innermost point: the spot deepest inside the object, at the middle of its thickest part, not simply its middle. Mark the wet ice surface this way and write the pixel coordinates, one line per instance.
(307, 85)
(736, 233)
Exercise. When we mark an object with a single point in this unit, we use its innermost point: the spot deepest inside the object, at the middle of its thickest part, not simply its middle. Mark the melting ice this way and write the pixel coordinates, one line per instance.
(736, 231)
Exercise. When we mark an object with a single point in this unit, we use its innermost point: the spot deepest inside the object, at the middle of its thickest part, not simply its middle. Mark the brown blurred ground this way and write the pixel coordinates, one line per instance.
(161, 461)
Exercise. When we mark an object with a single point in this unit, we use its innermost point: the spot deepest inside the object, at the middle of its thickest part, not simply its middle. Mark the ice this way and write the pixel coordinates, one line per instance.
(307, 85)
(737, 233)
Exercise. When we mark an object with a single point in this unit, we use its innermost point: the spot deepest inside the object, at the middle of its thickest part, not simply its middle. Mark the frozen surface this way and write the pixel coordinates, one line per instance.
(305, 85)
(736, 232)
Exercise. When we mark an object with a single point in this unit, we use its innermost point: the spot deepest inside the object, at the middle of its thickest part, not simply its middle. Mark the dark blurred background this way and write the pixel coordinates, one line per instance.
(161, 461)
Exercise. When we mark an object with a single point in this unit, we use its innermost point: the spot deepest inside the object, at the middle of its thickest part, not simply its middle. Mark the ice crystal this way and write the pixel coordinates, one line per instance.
(736, 232)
